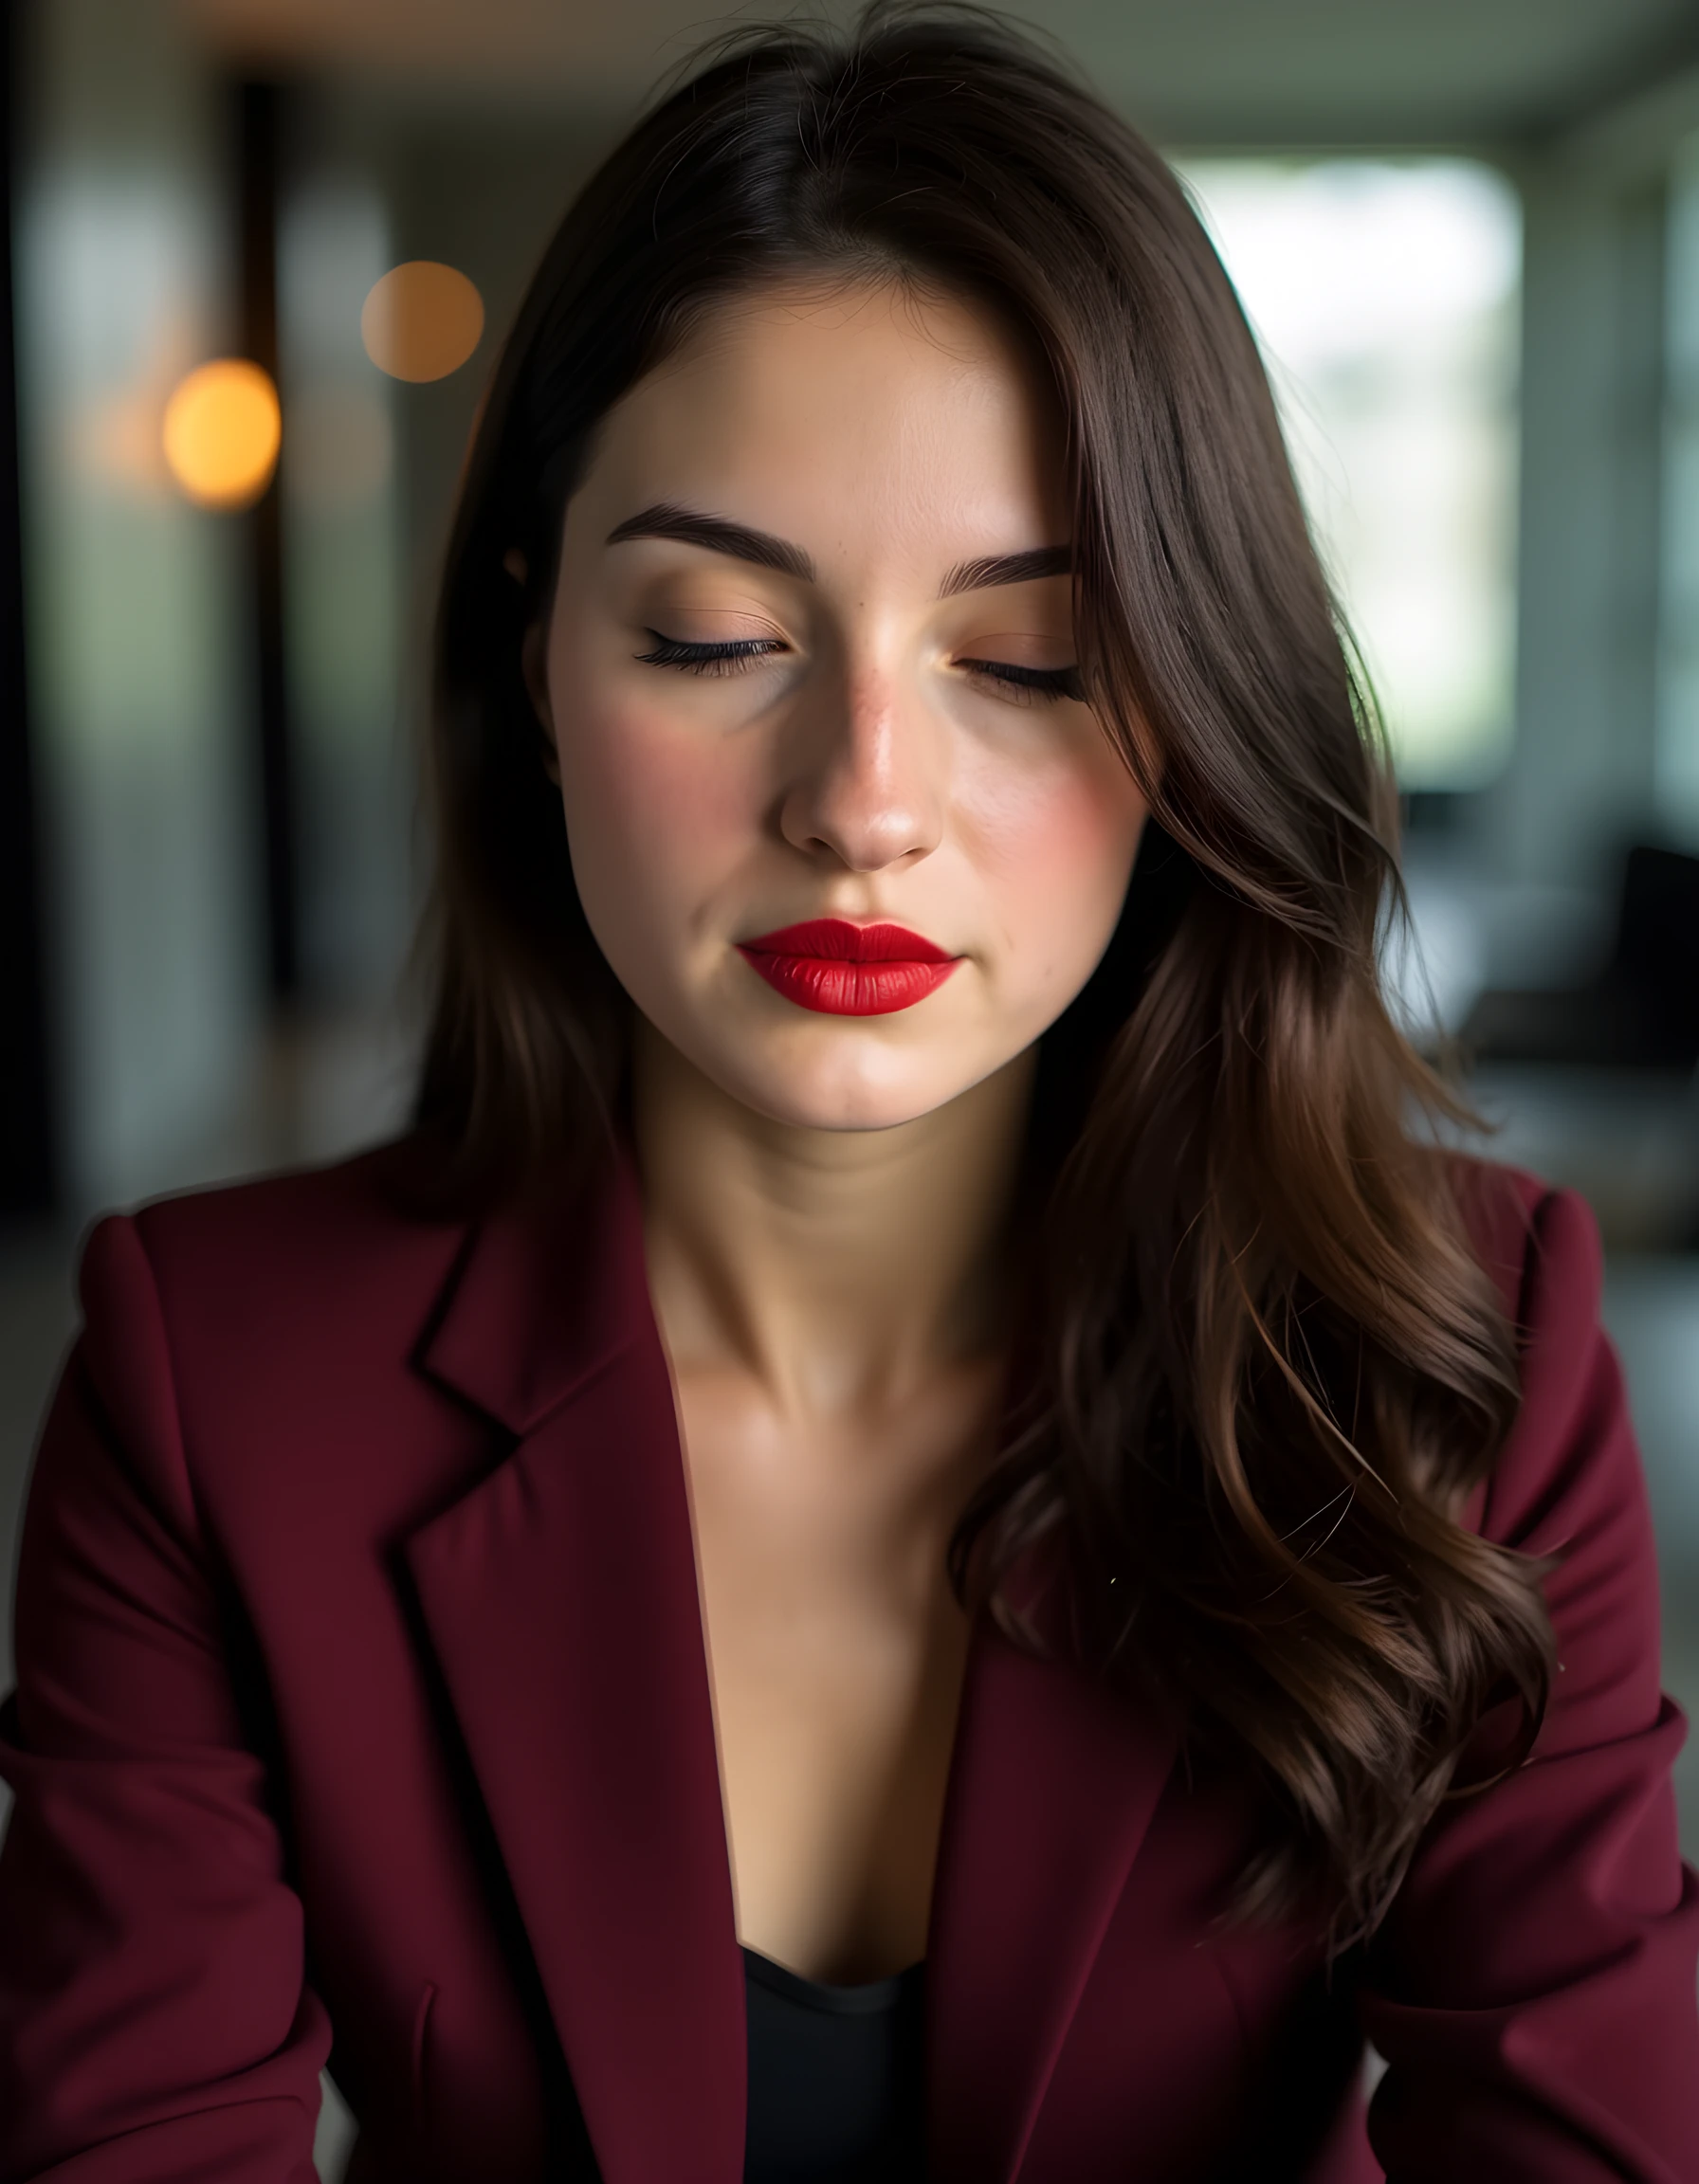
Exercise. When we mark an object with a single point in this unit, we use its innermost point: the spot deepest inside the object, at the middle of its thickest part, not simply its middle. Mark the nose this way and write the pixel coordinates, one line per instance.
(867, 788)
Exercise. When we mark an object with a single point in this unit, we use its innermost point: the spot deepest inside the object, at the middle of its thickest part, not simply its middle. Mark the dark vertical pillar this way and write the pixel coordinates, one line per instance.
(258, 131)
(26, 1152)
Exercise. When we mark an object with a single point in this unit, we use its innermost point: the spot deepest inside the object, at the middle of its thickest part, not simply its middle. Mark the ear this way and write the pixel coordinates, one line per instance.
(534, 668)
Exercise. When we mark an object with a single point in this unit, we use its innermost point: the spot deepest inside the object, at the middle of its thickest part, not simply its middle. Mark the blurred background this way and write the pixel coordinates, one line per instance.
(261, 257)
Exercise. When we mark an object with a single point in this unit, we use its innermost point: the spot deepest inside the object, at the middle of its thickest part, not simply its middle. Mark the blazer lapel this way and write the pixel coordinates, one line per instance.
(1053, 1784)
(560, 1596)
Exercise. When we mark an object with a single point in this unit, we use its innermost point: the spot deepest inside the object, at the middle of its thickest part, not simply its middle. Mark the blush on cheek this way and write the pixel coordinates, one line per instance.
(1062, 860)
(652, 813)
(1073, 830)
(624, 769)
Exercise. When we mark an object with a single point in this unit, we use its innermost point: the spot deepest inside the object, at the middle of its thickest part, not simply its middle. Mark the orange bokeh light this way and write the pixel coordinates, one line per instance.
(422, 320)
(222, 430)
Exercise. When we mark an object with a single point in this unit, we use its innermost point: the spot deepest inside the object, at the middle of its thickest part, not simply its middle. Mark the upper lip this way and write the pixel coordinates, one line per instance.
(838, 940)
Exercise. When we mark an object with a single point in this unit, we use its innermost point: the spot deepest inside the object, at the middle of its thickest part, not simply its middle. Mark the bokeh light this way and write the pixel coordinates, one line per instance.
(422, 320)
(222, 430)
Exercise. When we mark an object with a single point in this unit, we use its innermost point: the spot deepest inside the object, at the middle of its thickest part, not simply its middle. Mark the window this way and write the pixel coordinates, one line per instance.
(1385, 296)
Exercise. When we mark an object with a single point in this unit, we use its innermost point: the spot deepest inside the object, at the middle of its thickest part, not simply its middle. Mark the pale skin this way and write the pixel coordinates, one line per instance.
(826, 1197)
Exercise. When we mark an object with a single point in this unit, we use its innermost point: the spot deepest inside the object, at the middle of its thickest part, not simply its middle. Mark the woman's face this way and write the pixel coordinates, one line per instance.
(809, 666)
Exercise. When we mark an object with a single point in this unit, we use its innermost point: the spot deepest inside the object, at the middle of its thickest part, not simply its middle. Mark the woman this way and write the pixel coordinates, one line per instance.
(915, 1532)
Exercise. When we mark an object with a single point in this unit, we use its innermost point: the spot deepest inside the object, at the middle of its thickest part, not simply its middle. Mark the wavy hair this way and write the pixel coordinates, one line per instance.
(1269, 1369)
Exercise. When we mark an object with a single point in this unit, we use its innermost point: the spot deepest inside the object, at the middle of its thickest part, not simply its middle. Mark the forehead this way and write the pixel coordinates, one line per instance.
(813, 410)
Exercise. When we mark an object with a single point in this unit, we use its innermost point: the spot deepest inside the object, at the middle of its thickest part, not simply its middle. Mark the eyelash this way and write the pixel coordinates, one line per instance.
(706, 659)
(1025, 685)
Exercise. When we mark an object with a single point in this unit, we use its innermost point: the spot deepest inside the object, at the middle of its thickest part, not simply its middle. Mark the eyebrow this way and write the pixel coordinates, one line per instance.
(720, 534)
(1008, 568)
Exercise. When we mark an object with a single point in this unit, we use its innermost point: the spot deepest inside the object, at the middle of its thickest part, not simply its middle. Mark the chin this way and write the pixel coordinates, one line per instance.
(863, 1092)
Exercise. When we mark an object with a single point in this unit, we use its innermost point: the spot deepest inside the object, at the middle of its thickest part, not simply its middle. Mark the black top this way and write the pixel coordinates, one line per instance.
(834, 2078)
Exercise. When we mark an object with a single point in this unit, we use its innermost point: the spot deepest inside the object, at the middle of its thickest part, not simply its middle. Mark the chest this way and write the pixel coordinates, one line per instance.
(836, 1653)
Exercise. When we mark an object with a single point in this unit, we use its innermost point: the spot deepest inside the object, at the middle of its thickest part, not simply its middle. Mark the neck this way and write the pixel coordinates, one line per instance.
(844, 1268)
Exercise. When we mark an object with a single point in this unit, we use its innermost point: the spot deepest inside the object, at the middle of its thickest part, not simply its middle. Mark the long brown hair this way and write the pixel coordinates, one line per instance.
(1270, 1368)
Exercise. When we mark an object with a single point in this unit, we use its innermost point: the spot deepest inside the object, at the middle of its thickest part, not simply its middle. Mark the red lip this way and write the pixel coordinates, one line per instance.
(839, 941)
(842, 970)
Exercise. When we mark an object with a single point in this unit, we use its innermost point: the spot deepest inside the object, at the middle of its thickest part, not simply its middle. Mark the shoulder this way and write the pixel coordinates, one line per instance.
(250, 1289)
(1541, 1247)
(1539, 1244)
(306, 1236)
(1568, 1480)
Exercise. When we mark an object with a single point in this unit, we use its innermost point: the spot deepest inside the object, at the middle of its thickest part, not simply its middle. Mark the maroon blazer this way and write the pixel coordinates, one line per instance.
(362, 1686)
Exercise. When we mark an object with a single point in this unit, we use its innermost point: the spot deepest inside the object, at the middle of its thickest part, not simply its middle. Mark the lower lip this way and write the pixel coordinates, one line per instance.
(834, 988)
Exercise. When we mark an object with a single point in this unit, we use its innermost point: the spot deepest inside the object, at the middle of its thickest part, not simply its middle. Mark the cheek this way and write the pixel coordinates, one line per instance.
(1056, 850)
(653, 809)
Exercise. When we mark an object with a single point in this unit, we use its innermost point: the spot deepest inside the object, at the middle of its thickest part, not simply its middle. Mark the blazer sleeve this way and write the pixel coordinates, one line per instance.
(155, 2019)
(1533, 1991)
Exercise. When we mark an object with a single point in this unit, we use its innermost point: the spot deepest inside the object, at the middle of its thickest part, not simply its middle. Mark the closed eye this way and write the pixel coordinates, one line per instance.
(703, 659)
(1028, 685)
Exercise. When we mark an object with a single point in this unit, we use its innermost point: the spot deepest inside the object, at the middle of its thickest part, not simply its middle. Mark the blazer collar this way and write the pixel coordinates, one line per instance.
(560, 1598)
(546, 1291)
